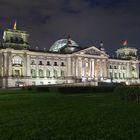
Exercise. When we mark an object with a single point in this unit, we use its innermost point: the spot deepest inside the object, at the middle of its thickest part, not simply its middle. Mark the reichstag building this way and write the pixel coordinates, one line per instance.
(64, 63)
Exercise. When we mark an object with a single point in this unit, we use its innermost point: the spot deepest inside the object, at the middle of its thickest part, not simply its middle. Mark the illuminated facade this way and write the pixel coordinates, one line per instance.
(65, 62)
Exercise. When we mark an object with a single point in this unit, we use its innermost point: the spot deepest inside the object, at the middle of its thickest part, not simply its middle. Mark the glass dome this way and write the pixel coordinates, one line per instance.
(59, 44)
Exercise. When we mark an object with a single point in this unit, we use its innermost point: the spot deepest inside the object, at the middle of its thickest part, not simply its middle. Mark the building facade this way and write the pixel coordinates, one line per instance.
(65, 62)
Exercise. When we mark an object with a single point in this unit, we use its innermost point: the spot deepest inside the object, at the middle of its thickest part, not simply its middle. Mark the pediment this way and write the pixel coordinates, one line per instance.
(92, 51)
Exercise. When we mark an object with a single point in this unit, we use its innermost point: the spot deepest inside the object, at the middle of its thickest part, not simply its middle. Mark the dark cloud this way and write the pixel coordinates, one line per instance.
(87, 21)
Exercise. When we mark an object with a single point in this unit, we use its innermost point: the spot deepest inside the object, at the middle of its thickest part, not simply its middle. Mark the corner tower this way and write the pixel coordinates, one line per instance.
(16, 39)
(127, 53)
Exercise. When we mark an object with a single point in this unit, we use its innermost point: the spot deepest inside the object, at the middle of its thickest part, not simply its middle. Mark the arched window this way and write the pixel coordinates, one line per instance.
(41, 73)
(48, 73)
(17, 60)
(33, 73)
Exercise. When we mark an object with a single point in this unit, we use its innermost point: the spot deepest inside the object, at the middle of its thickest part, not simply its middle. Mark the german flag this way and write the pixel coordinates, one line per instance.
(15, 25)
(125, 43)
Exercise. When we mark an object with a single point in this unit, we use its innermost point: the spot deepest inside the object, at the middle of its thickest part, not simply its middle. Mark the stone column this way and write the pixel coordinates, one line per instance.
(81, 67)
(24, 63)
(28, 69)
(90, 65)
(92, 68)
(69, 67)
(9, 64)
(95, 71)
(128, 70)
(37, 69)
(5, 70)
(101, 68)
(137, 69)
(84, 68)
(1, 64)
(104, 68)
(76, 65)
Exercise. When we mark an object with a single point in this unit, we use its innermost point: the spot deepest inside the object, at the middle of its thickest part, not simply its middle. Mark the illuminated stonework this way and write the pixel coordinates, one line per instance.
(127, 53)
(21, 66)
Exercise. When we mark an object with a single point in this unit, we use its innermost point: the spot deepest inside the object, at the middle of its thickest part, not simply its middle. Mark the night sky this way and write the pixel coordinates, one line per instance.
(87, 21)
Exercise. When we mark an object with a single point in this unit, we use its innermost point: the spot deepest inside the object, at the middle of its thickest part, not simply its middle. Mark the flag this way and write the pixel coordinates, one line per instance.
(125, 43)
(15, 25)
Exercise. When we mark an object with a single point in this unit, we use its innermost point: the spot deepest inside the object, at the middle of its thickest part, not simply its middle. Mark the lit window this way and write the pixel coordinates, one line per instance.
(47, 73)
(16, 60)
(62, 73)
(55, 73)
(41, 73)
(33, 73)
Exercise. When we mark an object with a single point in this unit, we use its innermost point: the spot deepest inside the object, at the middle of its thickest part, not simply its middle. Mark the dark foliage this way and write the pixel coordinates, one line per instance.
(129, 93)
(72, 89)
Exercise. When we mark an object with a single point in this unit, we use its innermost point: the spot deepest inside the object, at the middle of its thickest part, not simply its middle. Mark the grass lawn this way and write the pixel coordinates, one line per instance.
(25, 115)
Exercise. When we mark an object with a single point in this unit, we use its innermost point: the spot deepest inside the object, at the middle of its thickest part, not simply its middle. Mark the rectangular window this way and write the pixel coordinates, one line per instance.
(55, 64)
(40, 63)
(48, 63)
(110, 66)
(32, 62)
(62, 64)
(115, 67)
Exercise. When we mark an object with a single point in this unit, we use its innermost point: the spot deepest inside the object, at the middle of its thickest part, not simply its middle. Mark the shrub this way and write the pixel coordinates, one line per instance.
(129, 93)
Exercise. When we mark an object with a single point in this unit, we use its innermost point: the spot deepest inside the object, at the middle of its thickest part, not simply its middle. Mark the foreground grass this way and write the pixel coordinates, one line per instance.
(42, 116)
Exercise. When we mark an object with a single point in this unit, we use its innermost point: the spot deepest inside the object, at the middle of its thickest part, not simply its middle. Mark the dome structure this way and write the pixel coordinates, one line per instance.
(61, 44)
